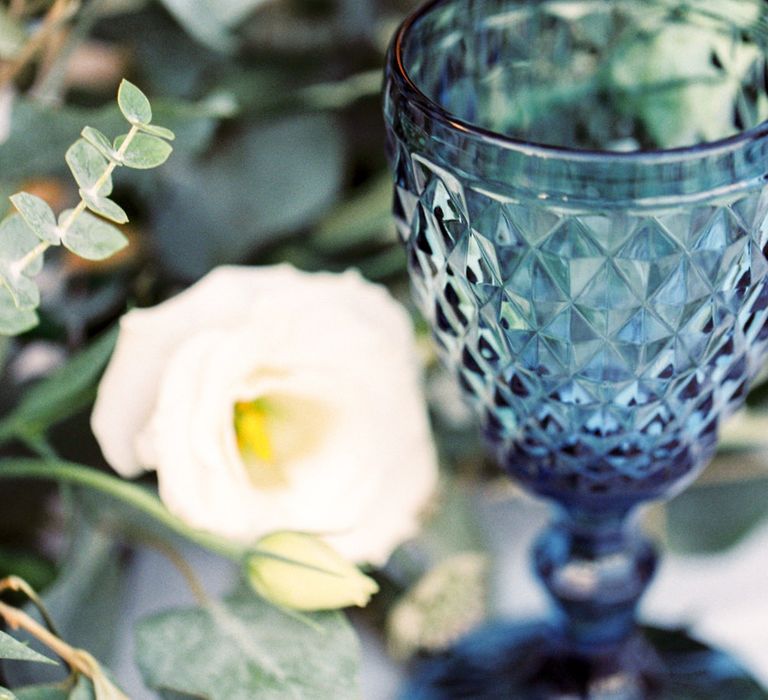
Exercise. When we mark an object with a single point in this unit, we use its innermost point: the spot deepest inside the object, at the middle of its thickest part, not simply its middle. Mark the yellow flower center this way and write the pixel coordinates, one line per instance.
(252, 419)
(251, 430)
(275, 432)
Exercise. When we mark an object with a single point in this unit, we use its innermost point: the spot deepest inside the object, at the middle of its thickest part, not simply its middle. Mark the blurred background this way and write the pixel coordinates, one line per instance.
(279, 156)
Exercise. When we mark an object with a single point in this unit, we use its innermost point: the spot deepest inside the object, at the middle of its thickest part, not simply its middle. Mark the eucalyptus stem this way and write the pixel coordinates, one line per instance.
(41, 247)
(129, 493)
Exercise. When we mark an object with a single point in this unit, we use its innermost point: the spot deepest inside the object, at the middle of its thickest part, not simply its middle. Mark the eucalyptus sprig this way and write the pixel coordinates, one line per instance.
(86, 229)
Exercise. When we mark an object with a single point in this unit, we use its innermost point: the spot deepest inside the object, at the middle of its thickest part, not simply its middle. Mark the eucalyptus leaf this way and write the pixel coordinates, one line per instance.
(38, 216)
(14, 321)
(243, 648)
(40, 133)
(6, 694)
(66, 391)
(144, 151)
(104, 207)
(99, 141)
(11, 648)
(92, 238)
(155, 130)
(133, 104)
(16, 240)
(88, 167)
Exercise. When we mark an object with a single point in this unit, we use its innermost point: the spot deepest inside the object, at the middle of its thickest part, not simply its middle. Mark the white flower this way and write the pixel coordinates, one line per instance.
(271, 399)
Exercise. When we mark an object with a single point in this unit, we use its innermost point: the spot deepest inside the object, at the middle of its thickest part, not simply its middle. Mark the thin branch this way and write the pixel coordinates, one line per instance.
(59, 12)
(78, 660)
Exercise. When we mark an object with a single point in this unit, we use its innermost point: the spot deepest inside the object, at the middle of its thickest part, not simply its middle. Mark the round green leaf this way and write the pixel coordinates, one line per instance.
(38, 216)
(144, 151)
(92, 238)
(133, 104)
(87, 166)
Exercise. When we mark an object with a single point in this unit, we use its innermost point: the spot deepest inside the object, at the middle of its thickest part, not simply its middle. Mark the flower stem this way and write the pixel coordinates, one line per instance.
(129, 493)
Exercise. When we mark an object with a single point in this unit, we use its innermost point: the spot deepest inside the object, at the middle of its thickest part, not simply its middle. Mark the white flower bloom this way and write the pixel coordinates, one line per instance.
(270, 399)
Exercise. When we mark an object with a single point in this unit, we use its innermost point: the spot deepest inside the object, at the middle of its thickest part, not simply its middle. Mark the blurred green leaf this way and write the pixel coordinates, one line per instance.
(740, 506)
(6, 694)
(133, 103)
(92, 238)
(85, 600)
(62, 393)
(144, 151)
(11, 648)
(82, 690)
(103, 206)
(211, 21)
(88, 166)
(366, 216)
(38, 216)
(267, 181)
(12, 35)
(13, 320)
(16, 240)
(243, 648)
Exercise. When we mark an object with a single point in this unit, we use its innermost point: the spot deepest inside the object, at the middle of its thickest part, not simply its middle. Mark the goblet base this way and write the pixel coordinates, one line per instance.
(521, 662)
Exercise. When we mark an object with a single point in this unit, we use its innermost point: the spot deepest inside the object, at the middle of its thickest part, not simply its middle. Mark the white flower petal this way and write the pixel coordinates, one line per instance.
(332, 342)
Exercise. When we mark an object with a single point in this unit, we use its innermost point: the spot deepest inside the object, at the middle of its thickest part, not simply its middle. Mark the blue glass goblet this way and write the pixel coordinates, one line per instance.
(581, 190)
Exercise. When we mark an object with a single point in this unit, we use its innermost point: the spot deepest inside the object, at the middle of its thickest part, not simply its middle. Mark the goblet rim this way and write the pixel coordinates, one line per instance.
(679, 154)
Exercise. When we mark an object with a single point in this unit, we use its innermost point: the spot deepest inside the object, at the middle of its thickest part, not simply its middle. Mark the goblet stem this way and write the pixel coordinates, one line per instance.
(596, 566)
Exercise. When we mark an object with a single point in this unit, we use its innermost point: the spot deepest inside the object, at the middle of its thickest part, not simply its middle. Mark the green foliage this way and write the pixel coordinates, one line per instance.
(38, 216)
(244, 648)
(267, 180)
(133, 104)
(62, 393)
(16, 242)
(92, 238)
(211, 21)
(24, 237)
(144, 152)
(13, 649)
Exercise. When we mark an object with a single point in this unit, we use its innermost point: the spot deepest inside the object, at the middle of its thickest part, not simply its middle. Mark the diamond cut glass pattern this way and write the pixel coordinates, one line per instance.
(601, 348)
(582, 192)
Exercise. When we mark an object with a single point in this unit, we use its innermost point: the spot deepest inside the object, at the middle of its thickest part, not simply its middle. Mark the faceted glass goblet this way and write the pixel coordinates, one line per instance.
(581, 190)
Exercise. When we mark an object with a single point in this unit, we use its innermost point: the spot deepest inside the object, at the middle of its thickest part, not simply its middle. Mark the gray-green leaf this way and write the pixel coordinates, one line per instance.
(16, 240)
(133, 104)
(6, 694)
(82, 690)
(244, 648)
(14, 321)
(99, 141)
(104, 207)
(38, 216)
(65, 391)
(156, 130)
(144, 151)
(88, 166)
(11, 648)
(92, 238)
